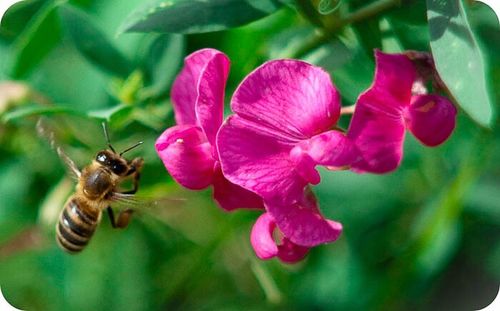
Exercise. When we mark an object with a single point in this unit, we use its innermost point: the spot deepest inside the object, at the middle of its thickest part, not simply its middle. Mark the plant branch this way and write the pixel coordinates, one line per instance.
(310, 12)
(364, 13)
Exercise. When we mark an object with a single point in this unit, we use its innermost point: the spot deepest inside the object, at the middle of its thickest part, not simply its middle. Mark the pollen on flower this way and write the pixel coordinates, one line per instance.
(179, 141)
(419, 88)
(427, 107)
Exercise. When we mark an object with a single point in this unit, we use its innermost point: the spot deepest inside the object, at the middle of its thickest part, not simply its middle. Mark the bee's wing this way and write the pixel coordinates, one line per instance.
(44, 132)
(124, 200)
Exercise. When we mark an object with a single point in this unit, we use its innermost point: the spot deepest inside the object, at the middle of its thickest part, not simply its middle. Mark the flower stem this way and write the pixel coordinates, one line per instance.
(347, 109)
(366, 12)
(266, 281)
(309, 12)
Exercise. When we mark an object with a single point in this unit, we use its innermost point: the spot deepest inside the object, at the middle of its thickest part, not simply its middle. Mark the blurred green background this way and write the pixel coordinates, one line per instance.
(425, 237)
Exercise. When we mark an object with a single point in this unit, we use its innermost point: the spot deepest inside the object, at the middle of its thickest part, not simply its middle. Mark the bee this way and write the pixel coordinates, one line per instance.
(97, 188)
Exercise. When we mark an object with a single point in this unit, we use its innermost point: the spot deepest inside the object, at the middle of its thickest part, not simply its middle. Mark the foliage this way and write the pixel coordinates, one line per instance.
(412, 239)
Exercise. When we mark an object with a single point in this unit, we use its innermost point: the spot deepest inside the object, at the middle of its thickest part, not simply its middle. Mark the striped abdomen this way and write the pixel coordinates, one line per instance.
(76, 225)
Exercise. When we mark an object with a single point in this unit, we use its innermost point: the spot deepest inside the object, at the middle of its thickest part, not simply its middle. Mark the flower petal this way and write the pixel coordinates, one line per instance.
(302, 222)
(288, 96)
(332, 149)
(187, 155)
(290, 252)
(184, 89)
(210, 102)
(379, 138)
(262, 239)
(257, 159)
(431, 118)
(305, 165)
(394, 78)
(230, 196)
(265, 246)
(377, 125)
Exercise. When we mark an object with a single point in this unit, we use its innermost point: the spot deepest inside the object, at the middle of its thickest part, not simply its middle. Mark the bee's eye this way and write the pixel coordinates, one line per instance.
(101, 157)
(118, 168)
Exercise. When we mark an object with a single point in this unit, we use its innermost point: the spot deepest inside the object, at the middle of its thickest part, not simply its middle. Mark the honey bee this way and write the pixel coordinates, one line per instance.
(97, 188)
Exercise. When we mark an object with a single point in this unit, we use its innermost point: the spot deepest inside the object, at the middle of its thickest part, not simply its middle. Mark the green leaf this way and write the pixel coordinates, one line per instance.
(111, 114)
(35, 110)
(197, 16)
(483, 201)
(410, 36)
(286, 42)
(369, 35)
(458, 59)
(438, 227)
(486, 28)
(92, 43)
(351, 68)
(163, 61)
(290, 3)
(254, 40)
(18, 16)
(154, 116)
(411, 12)
(328, 6)
(39, 37)
(107, 114)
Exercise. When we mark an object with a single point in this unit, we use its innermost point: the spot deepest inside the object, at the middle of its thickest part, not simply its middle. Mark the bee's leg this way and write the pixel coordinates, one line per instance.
(111, 216)
(135, 172)
(123, 218)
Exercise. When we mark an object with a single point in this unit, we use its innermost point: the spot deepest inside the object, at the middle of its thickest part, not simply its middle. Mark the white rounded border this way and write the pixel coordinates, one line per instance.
(494, 5)
(5, 4)
(495, 304)
(5, 305)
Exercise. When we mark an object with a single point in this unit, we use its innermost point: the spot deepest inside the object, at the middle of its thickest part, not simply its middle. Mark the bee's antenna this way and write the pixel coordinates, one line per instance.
(106, 135)
(130, 148)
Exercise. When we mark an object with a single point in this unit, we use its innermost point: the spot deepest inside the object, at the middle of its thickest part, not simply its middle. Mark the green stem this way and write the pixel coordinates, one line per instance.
(310, 12)
(347, 109)
(266, 281)
(404, 274)
(370, 10)
(364, 13)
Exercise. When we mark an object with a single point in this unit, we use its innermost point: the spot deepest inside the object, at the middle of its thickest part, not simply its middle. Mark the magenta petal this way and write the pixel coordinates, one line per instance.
(184, 89)
(289, 96)
(379, 138)
(265, 246)
(187, 155)
(257, 159)
(377, 126)
(290, 252)
(230, 196)
(210, 102)
(431, 118)
(305, 165)
(302, 222)
(262, 239)
(394, 77)
(330, 148)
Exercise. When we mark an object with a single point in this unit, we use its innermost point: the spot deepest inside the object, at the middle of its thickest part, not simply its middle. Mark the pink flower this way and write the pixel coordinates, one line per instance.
(300, 221)
(387, 108)
(284, 112)
(188, 149)
(265, 246)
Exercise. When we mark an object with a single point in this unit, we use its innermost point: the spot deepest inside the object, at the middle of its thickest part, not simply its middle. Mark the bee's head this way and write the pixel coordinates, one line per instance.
(113, 161)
